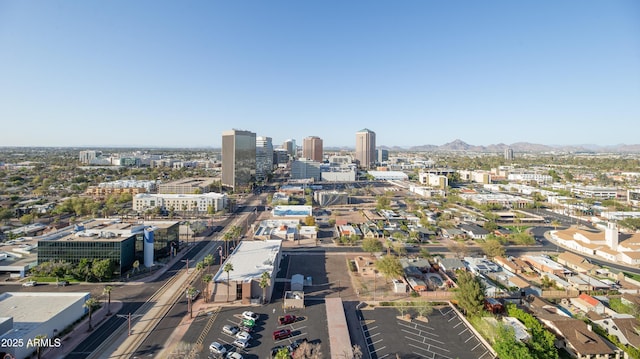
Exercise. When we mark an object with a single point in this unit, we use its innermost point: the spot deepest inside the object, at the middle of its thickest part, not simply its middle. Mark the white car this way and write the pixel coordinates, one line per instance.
(234, 355)
(230, 329)
(249, 315)
(31, 283)
(217, 348)
(243, 335)
(241, 343)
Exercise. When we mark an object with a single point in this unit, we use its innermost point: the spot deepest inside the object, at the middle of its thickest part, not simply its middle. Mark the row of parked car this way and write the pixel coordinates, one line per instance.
(242, 335)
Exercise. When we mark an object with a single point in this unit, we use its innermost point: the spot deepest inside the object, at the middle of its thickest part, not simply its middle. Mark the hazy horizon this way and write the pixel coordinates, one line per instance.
(178, 74)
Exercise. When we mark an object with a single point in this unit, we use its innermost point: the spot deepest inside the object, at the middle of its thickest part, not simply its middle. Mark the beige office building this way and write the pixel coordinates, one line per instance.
(312, 148)
(238, 158)
(365, 148)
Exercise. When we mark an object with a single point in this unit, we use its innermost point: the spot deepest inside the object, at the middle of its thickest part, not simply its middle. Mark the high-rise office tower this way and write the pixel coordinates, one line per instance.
(312, 148)
(508, 154)
(382, 155)
(238, 158)
(290, 146)
(365, 148)
(264, 157)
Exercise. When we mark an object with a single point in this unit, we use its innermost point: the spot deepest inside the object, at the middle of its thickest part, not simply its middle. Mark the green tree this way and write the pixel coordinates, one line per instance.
(507, 346)
(470, 293)
(102, 269)
(541, 345)
(228, 267)
(424, 308)
(371, 245)
(424, 253)
(389, 267)
(383, 202)
(493, 248)
(309, 221)
(265, 281)
(283, 353)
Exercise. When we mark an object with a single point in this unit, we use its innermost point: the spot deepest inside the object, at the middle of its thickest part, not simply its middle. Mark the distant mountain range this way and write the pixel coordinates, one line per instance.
(461, 146)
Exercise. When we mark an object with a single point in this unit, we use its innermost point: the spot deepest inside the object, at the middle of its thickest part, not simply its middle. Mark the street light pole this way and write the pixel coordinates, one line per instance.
(128, 317)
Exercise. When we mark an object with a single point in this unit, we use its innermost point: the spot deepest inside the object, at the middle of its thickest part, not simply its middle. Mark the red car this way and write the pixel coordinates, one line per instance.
(287, 319)
(281, 334)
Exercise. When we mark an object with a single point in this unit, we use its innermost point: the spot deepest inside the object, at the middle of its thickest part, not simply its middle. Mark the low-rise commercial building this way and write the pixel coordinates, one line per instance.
(249, 261)
(24, 316)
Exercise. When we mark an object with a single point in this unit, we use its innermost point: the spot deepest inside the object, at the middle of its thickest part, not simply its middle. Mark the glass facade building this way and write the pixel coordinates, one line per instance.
(238, 158)
(121, 252)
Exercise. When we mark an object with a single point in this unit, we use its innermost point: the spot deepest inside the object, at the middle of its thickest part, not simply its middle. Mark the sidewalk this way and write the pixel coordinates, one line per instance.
(81, 331)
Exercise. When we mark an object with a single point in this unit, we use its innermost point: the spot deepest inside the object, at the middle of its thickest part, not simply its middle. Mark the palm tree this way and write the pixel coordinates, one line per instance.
(226, 238)
(555, 224)
(206, 279)
(107, 291)
(191, 292)
(208, 260)
(228, 268)
(91, 304)
(40, 341)
(265, 281)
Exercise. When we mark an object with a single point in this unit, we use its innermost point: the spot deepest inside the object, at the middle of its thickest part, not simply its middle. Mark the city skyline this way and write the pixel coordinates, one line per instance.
(162, 74)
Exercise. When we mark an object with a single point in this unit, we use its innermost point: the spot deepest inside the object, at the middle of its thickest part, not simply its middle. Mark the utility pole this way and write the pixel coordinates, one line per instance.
(129, 317)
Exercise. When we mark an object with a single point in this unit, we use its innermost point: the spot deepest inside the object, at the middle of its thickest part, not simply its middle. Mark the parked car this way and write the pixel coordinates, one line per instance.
(230, 329)
(248, 323)
(281, 334)
(31, 283)
(241, 343)
(243, 335)
(217, 348)
(287, 319)
(249, 315)
(62, 283)
(247, 329)
(234, 355)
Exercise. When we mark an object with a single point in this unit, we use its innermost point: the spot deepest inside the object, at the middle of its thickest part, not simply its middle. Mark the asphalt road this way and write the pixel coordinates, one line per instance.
(154, 343)
(131, 303)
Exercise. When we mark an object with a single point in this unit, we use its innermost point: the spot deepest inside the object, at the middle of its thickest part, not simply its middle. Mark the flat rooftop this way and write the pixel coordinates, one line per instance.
(250, 259)
(29, 309)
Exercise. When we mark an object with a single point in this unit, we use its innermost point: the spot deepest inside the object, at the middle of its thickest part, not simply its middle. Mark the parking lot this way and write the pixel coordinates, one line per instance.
(310, 323)
(444, 336)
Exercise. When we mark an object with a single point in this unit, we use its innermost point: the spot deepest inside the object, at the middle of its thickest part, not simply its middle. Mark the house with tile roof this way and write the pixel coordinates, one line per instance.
(587, 303)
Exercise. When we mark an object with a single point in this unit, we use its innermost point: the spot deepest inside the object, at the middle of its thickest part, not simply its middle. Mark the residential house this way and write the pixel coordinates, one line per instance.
(474, 231)
(543, 264)
(579, 340)
(625, 329)
(576, 262)
(587, 303)
(450, 264)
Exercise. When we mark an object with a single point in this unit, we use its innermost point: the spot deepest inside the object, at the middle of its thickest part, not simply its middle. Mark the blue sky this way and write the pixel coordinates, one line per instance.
(178, 73)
